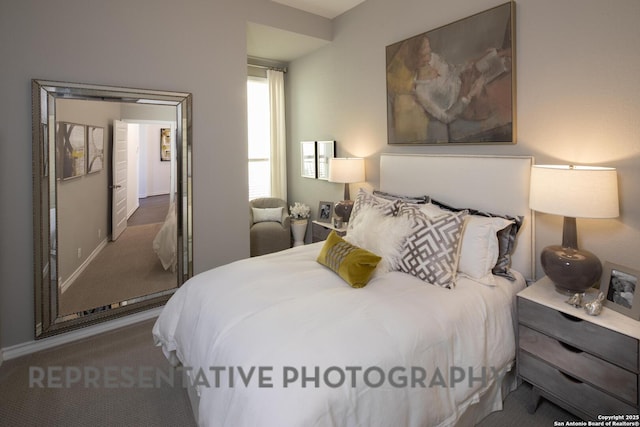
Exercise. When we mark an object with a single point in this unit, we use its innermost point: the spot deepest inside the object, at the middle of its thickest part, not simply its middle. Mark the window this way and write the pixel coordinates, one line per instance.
(259, 136)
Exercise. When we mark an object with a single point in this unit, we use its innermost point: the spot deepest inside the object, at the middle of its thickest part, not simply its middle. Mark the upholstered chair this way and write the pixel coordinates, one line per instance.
(270, 225)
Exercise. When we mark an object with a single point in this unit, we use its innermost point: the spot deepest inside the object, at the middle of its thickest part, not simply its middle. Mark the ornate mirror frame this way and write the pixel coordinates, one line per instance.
(44, 95)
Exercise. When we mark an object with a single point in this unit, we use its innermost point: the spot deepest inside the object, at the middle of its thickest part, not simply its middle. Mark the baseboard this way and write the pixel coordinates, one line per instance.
(72, 278)
(30, 347)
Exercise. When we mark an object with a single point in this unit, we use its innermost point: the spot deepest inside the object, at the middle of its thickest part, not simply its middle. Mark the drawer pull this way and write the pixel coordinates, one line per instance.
(570, 317)
(571, 348)
(570, 378)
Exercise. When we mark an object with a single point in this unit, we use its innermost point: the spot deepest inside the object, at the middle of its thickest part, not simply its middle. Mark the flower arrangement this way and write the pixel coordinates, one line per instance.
(300, 211)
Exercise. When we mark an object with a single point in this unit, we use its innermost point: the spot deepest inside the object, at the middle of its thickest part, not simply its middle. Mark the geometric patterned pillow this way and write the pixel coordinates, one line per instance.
(431, 251)
(365, 198)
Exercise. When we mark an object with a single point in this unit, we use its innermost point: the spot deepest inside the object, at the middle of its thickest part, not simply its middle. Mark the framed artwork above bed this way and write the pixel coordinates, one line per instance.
(454, 84)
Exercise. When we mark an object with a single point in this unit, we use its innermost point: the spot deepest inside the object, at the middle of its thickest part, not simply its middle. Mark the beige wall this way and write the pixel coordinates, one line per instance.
(83, 202)
(193, 46)
(578, 99)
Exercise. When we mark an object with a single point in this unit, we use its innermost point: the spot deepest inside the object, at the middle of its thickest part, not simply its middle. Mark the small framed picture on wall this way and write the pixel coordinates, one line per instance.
(165, 144)
(325, 150)
(308, 159)
(71, 143)
(95, 148)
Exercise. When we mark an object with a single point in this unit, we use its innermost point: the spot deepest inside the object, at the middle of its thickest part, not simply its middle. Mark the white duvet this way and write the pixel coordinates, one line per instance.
(270, 318)
(165, 243)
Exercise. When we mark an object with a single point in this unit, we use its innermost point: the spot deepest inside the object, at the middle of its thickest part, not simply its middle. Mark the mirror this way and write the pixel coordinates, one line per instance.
(111, 201)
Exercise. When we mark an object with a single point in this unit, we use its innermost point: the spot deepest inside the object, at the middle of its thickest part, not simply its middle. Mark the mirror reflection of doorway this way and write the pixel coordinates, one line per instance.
(128, 267)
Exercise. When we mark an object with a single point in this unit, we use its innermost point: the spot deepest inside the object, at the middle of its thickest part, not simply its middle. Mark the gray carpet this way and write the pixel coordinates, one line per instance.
(150, 210)
(79, 406)
(163, 406)
(124, 269)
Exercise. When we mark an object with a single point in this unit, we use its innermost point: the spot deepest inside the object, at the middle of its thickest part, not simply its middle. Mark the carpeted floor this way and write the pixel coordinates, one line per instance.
(151, 210)
(126, 268)
(76, 405)
(132, 347)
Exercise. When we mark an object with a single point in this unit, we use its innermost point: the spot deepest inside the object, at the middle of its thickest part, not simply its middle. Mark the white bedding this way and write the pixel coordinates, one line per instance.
(284, 311)
(165, 242)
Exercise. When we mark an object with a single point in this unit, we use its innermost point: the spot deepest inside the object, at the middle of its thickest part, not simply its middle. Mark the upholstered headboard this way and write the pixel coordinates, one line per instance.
(497, 184)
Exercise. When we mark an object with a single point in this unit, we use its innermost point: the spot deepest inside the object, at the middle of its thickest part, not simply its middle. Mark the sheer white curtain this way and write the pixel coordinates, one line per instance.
(278, 135)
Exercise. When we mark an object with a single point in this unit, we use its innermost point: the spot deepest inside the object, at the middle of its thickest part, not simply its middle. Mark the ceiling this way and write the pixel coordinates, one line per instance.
(327, 8)
(284, 46)
(278, 45)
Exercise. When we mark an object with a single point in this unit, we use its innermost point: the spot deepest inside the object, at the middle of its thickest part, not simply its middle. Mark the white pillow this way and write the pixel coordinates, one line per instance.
(267, 214)
(381, 234)
(479, 249)
(433, 211)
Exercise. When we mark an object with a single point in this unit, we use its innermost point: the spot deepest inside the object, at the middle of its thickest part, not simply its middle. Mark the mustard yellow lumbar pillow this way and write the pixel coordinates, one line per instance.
(355, 265)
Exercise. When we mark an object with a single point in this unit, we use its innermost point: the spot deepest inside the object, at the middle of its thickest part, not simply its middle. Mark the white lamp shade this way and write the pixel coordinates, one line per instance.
(574, 191)
(346, 170)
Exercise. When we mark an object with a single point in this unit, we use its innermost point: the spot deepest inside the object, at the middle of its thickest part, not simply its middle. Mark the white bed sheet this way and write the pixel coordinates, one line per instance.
(286, 310)
(165, 243)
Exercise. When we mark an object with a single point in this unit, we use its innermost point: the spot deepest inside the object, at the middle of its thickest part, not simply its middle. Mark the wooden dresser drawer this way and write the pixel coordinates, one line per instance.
(581, 365)
(570, 390)
(579, 333)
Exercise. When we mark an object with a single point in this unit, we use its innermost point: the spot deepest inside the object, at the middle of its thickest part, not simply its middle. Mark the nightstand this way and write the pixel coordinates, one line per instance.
(589, 365)
(320, 230)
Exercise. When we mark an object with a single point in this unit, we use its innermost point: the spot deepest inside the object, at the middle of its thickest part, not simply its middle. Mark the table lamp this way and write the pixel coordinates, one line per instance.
(345, 171)
(574, 192)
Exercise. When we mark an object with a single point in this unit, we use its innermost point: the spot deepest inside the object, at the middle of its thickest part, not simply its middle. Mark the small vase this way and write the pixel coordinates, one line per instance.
(299, 229)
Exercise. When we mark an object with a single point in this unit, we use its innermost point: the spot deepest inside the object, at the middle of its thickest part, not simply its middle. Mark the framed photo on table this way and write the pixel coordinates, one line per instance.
(325, 211)
(619, 285)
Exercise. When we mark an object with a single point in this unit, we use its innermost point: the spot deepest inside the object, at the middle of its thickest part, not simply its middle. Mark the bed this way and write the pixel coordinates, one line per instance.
(165, 242)
(283, 340)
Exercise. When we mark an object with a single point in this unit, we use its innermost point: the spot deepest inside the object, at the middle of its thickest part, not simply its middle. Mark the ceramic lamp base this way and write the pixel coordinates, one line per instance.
(343, 210)
(571, 270)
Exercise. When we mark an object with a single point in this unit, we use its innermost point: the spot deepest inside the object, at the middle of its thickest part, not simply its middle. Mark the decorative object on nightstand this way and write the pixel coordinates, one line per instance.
(619, 285)
(588, 365)
(574, 192)
(594, 308)
(346, 170)
(325, 211)
(575, 300)
(299, 221)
